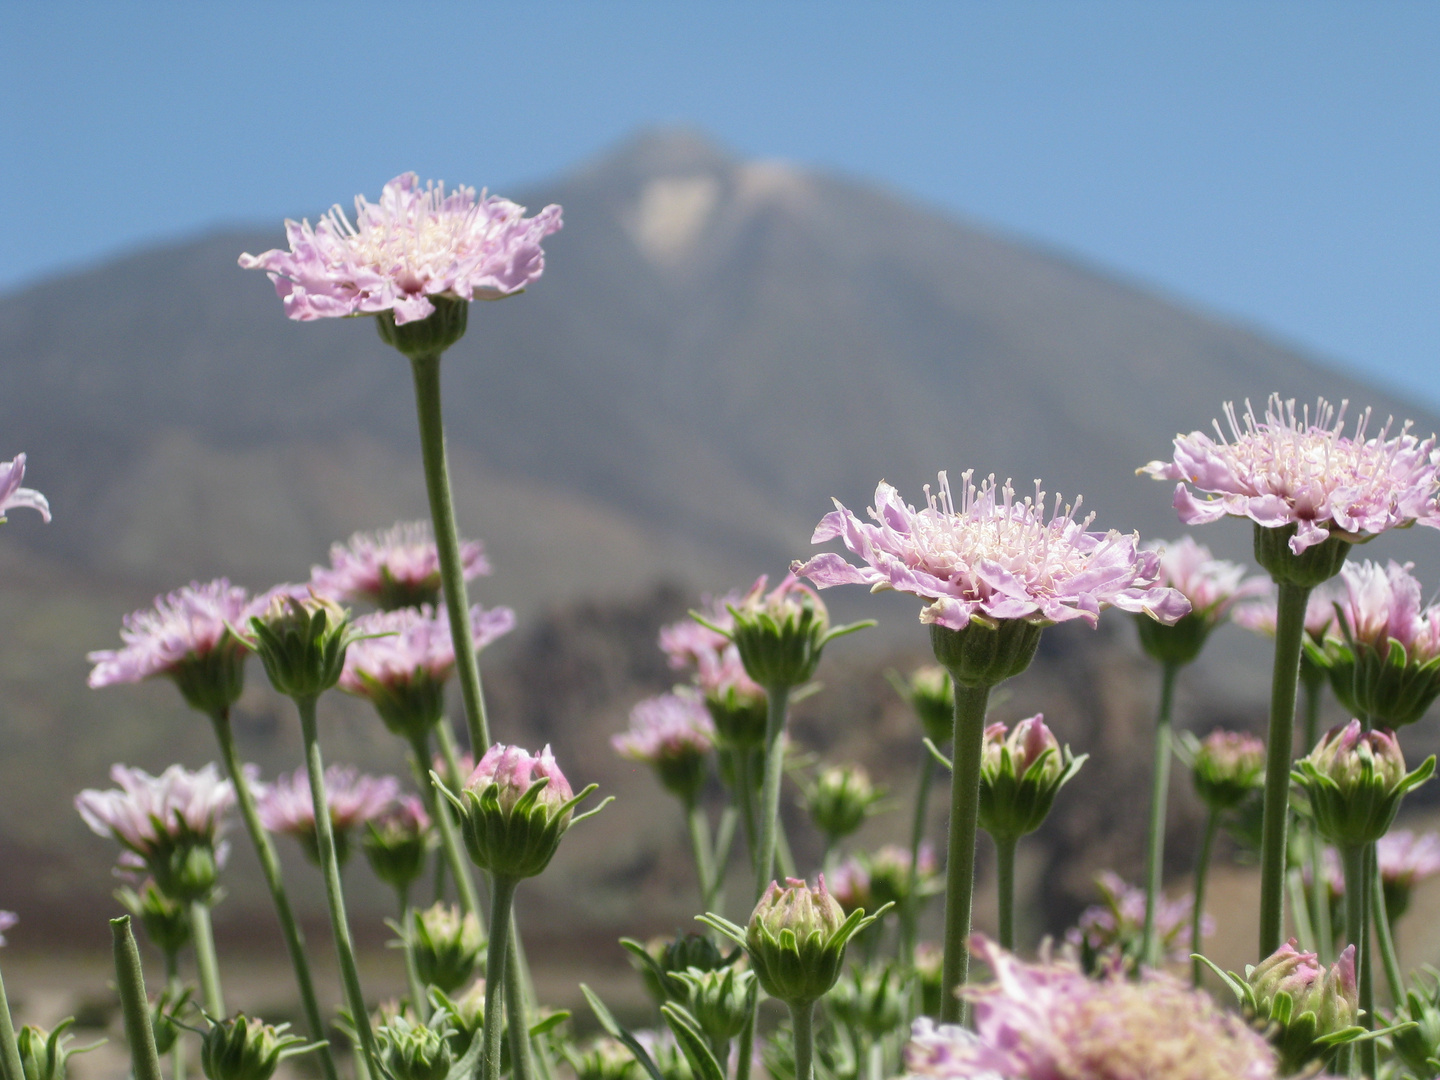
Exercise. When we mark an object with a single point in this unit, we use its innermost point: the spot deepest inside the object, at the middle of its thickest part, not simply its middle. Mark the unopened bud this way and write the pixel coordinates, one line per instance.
(446, 944)
(245, 1049)
(840, 799)
(1021, 772)
(1355, 780)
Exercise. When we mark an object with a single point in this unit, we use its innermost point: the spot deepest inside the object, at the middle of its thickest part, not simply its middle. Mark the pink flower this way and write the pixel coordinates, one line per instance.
(416, 645)
(147, 813)
(1406, 857)
(413, 244)
(850, 885)
(992, 558)
(1111, 931)
(7, 920)
(688, 642)
(184, 628)
(397, 567)
(1384, 605)
(1211, 585)
(1295, 469)
(513, 770)
(286, 806)
(666, 728)
(12, 495)
(1048, 1021)
(1258, 614)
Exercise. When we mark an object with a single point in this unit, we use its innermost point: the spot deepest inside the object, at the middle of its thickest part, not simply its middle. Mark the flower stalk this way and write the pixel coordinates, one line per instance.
(1355, 859)
(969, 737)
(910, 910)
(440, 812)
(202, 934)
(770, 786)
(502, 895)
(1159, 802)
(1202, 873)
(130, 982)
(802, 1022)
(1005, 884)
(1384, 934)
(9, 1048)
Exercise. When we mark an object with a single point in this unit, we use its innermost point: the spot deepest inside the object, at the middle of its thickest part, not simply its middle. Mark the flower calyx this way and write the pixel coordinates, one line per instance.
(1226, 766)
(242, 1048)
(427, 338)
(1312, 566)
(840, 798)
(447, 945)
(1021, 772)
(931, 694)
(43, 1054)
(301, 642)
(796, 939)
(987, 651)
(413, 1051)
(1355, 780)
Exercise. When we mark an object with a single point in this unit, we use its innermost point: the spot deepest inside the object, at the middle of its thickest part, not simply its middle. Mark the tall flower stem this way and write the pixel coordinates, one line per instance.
(440, 811)
(969, 738)
(130, 982)
(172, 987)
(502, 895)
(699, 827)
(1159, 803)
(270, 868)
(770, 788)
(334, 894)
(1320, 901)
(426, 370)
(1385, 936)
(1356, 862)
(203, 935)
(412, 973)
(9, 1048)
(802, 1019)
(516, 1007)
(910, 913)
(1202, 875)
(1289, 630)
(1005, 884)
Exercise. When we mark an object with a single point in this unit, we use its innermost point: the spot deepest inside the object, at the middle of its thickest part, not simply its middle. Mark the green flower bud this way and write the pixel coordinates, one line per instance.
(447, 946)
(411, 1051)
(429, 337)
(1355, 780)
(603, 1058)
(1316, 564)
(985, 653)
(397, 842)
(780, 634)
(165, 1012)
(244, 1049)
(887, 875)
(931, 694)
(739, 716)
(721, 1001)
(43, 1054)
(464, 1016)
(514, 809)
(1417, 1046)
(1227, 766)
(660, 958)
(875, 1000)
(1020, 774)
(930, 972)
(302, 643)
(840, 799)
(166, 922)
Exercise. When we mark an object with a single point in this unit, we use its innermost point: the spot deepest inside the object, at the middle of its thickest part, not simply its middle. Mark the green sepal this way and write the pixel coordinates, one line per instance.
(987, 651)
(691, 1041)
(1363, 814)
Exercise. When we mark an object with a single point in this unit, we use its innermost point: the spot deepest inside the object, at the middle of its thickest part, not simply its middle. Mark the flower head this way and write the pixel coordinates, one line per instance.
(1211, 585)
(1049, 1022)
(244, 1048)
(286, 806)
(394, 568)
(396, 841)
(796, 940)
(992, 558)
(780, 633)
(414, 244)
(1227, 766)
(172, 821)
(1295, 469)
(447, 944)
(673, 734)
(513, 770)
(1355, 780)
(1383, 604)
(1109, 934)
(840, 798)
(302, 639)
(1021, 772)
(12, 495)
(187, 636)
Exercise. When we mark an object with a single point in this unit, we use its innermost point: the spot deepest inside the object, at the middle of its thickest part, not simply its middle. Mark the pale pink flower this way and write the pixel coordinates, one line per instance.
(1211, 585)
(13, 496)
(992, 558)
(148, 813)
(850, 885)
(716, 660)
(415, 243)
(184, 627)
(1297, 469)
(665, 728)
(720, 673)
(513, 770)
(1258, 614)
(1111, 930)
(7, 920)
(1381, 605)
(1047, 1021)
(396, 567)
(415, 644)
(286, 806)
(1406, 857)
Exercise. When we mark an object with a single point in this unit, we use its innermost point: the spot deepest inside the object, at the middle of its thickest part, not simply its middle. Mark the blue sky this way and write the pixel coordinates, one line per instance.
(1276, 162)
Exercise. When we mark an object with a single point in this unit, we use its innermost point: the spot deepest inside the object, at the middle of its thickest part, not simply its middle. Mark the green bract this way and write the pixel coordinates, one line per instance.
(1179, 644)
(447, 946)
(875, 1000)
(985, 653)
(1227, 766)
(840, 798)
(1020, 775)
(1390, 688)
(932, 696)
(165, 920)
(212, 682)
(411, 1051)
(720, 1001)
(245, 1049)
(302, 644)
(426, 338)
(43, 1055)
(1355, 780)
(1313, 566)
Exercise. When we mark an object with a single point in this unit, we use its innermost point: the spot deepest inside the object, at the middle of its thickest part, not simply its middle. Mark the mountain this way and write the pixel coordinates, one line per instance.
(717, 348)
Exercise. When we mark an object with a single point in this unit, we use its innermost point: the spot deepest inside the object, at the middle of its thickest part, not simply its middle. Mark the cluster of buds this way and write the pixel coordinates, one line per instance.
(1306, 1010)
(447, 946)
(513, 810)
(602, 1058)
(840, 798)
(874, 1000)
(1021, 772)
(1227, 767)
(720, 1001)
(930, 692)
(663, 958)
(244, 1049)
(736, 703)
(796, 939)
(1355, 780)
(674, 735)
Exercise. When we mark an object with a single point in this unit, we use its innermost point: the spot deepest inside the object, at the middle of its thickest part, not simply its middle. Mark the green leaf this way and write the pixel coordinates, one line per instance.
(615, 1031)
(692, 1043)
(550, 1023)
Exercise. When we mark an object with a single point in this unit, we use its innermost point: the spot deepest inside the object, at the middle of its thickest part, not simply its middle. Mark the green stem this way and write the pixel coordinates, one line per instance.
(747, 1045)
(270, 868)
(1289, 630)
(130, 982)
(1320, 901)
(699, 827)
(334, 894)
(521, 1066)
(1202, 875)
(970, 704)
(9, 1048)
(1356, 930)
(1005, 885)
(1300, 909)
(412, 972)
(204, 938)
(802, 1019)
(910, 912)
(502, 894)
(172, 987)
(770, 789)
(440, 812)
(1159, 803)
(745, 796)
(1385, 937)
(426, 370)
